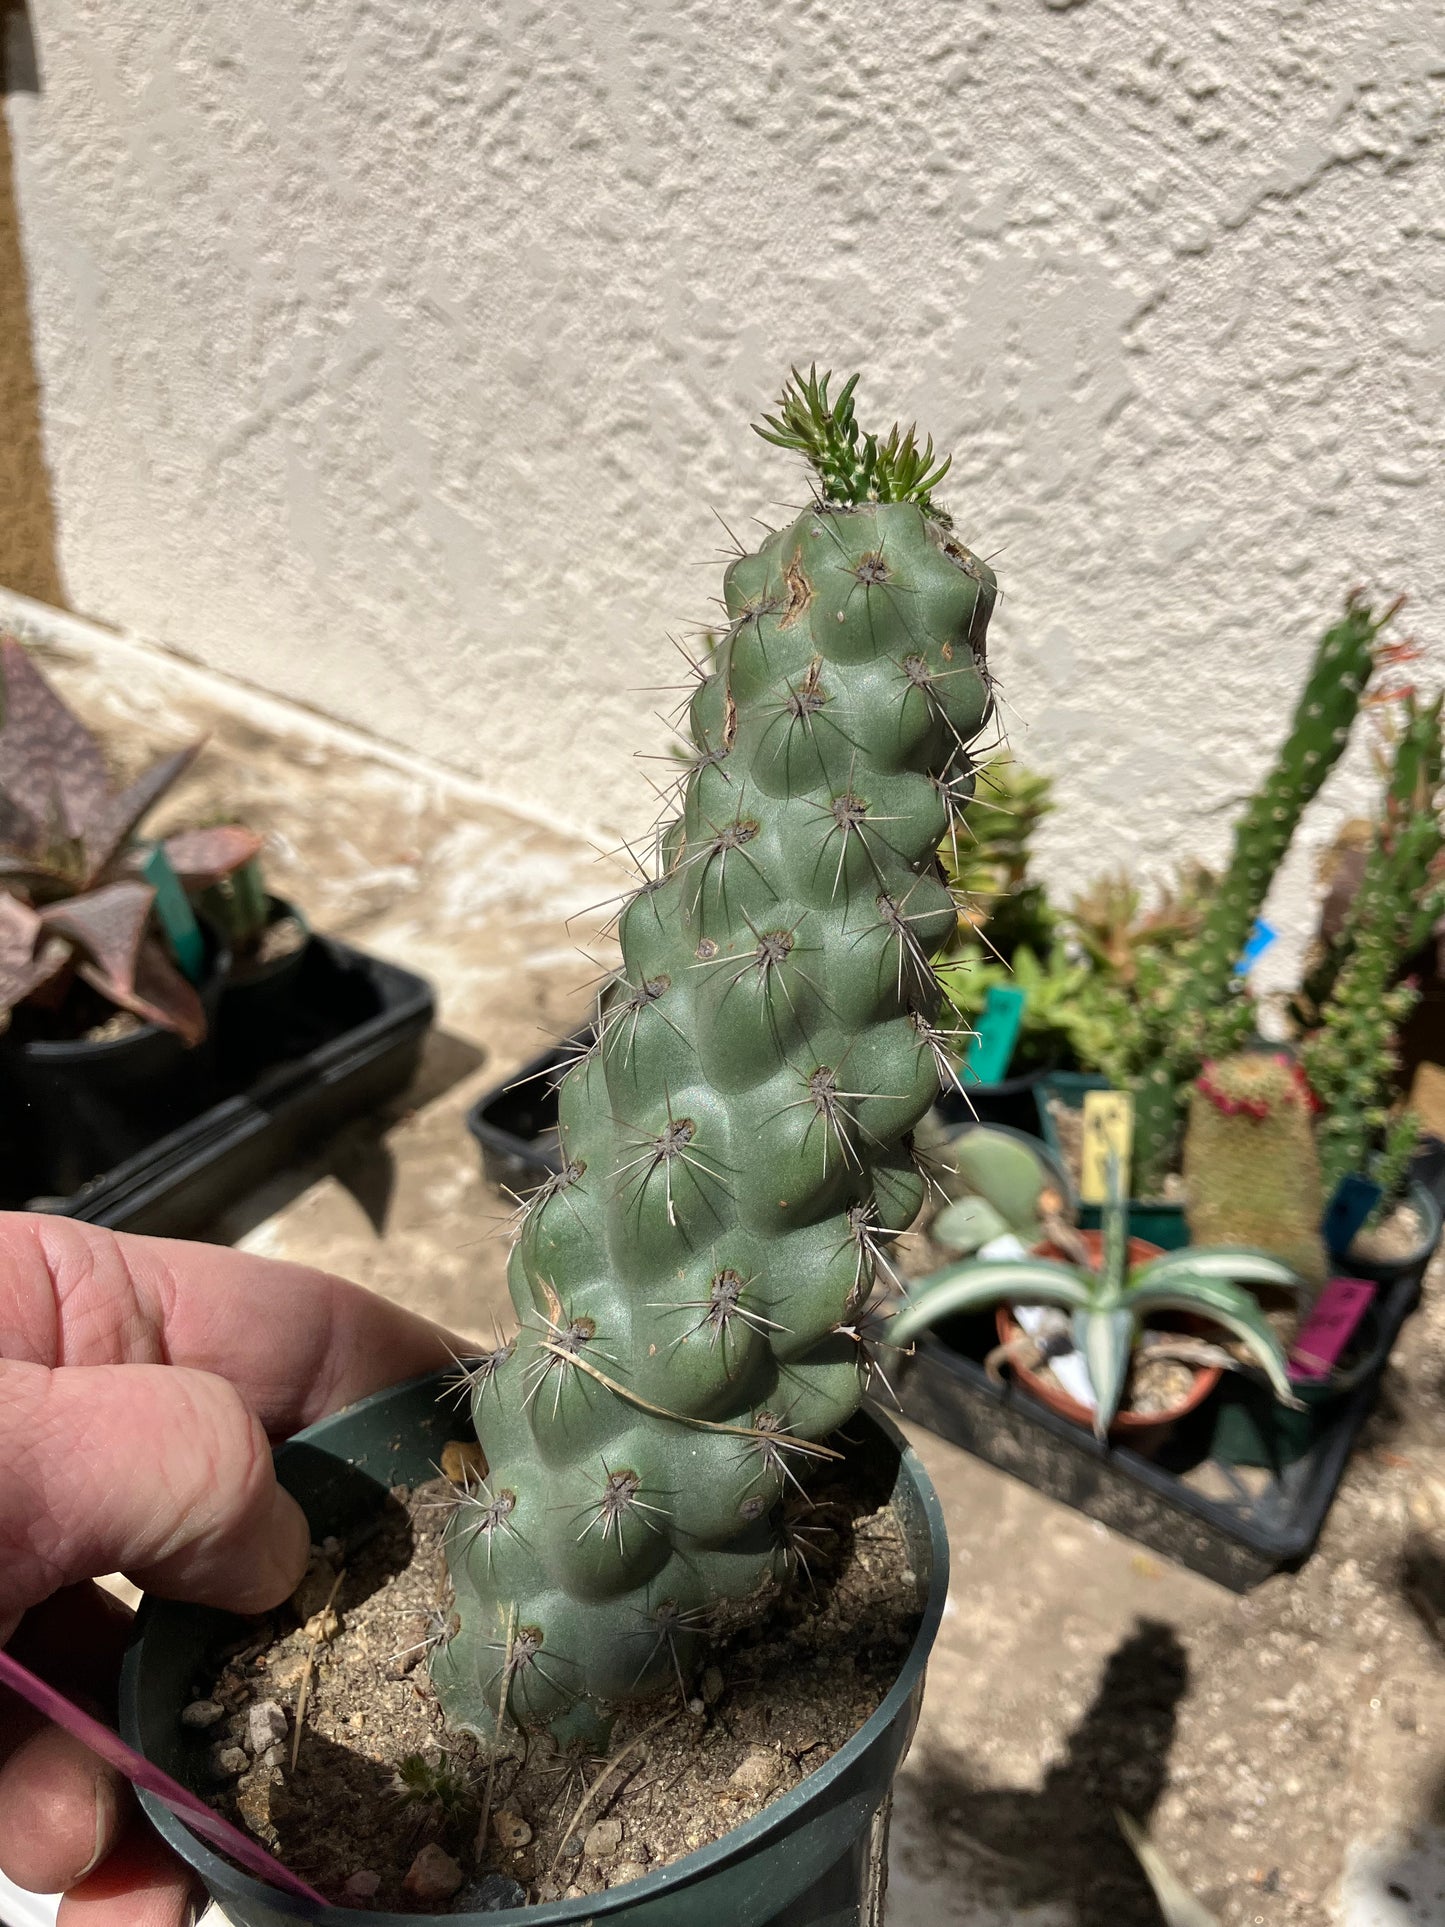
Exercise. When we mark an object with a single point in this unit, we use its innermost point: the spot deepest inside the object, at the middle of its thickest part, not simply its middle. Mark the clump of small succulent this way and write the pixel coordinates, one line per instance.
(987, 858)
(1251, 1170)
(1003, 1188)
(1107, 1302)
(736, 1145)
(438, 1789)
(72, 900)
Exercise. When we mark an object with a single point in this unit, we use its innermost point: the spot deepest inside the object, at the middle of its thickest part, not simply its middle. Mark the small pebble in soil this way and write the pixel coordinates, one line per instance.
(227, 1761)
(202, 1713)
(511, 1830)
(361, 1885)
(625, 1872)
(604, 1837)
(265, 1724)
(433, 1875)
(757, 1773)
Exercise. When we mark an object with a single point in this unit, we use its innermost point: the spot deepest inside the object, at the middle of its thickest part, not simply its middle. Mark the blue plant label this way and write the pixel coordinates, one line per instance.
(996, 1032)
(173, 908)
(1355, 1198)
(1260, 939)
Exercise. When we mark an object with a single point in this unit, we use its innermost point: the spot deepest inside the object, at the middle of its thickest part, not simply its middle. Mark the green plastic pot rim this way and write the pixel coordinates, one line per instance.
(219, 1874)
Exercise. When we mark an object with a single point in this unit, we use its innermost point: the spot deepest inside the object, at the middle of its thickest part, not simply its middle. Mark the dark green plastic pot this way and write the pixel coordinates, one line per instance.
(805, 1861)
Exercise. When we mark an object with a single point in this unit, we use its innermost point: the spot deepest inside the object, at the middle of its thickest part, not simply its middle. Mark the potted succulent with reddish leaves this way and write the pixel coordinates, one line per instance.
(106, 1008)
(170, 1033)
(679, 1509)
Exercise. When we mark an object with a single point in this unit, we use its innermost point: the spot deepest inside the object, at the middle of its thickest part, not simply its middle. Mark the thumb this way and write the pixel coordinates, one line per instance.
(159, 1472)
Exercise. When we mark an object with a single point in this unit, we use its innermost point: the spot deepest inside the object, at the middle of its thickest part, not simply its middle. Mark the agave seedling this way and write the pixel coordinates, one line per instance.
(72, 900)
(1108, 1304)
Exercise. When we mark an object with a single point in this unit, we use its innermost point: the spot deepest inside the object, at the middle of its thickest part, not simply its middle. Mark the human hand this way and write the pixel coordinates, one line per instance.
(141, 1384)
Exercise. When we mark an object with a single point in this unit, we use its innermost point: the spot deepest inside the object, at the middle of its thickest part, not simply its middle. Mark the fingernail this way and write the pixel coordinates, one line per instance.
(106, 1815)
(287, 1548)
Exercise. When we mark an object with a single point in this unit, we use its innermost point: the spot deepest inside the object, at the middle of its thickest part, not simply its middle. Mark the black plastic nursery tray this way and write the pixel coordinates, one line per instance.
(1236, 1526)
(350, 1038)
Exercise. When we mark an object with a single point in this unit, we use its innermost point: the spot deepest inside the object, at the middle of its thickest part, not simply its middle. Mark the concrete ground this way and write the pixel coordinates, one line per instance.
(1287, 1746)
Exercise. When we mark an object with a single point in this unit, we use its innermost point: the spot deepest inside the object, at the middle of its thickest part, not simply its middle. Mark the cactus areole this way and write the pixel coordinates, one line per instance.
(692, 1286)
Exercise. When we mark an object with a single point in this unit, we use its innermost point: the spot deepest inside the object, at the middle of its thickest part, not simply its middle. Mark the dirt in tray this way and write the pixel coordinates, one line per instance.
(381, 1805)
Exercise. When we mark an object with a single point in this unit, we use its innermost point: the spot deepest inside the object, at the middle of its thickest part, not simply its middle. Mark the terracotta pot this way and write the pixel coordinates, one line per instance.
(1140, 1429)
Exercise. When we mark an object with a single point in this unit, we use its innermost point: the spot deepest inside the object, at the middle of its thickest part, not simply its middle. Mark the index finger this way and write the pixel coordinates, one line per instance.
(295, 1342)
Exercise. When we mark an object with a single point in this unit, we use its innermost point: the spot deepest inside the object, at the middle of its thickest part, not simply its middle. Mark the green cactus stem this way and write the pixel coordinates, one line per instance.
(1351, 1059)
(691, 1286)
(1201, 1011)
(1251, 1172)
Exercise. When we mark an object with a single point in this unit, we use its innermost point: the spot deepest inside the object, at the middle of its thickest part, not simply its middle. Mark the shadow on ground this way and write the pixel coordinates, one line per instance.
(359, 1155)
(1061, 1842)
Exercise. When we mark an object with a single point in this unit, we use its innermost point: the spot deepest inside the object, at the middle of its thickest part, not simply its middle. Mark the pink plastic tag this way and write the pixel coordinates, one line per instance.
(1329, 1328)
(200, 1818)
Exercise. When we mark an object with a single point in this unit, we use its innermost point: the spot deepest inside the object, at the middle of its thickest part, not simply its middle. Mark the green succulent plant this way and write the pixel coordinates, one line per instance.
(986, 857)
(1004, 1185)
(692, 1287)
(1107, 1306)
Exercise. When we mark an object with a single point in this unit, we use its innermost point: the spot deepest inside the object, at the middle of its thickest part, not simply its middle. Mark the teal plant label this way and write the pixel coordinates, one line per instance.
(177, 918)
(1354, 1199)
(996, 1033)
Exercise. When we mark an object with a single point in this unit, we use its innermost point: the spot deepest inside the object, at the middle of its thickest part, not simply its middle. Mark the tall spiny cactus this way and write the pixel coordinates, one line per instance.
(1196, 1012)
(1350, 1060)
(738, 1142)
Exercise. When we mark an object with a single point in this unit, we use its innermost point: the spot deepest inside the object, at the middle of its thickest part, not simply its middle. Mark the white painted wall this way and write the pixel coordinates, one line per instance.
(396, 356)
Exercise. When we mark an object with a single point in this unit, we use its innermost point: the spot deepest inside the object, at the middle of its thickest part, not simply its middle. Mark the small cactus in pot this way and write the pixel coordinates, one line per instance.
(1251, 1170)
(692, 1286)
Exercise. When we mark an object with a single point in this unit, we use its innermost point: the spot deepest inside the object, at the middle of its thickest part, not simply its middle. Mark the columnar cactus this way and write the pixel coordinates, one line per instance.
(1197, 1012)
(737, 1144)
(1251, 1171)
(1350, 1059)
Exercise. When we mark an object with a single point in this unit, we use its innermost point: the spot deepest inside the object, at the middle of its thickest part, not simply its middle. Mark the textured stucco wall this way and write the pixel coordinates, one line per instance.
(396, 357)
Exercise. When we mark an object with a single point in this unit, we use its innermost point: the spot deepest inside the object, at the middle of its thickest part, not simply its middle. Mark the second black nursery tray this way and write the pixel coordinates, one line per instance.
(1235, 1524)
(350, 1038)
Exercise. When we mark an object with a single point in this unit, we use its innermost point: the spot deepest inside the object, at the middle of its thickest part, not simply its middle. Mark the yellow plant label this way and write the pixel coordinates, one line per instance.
(1108, 1133)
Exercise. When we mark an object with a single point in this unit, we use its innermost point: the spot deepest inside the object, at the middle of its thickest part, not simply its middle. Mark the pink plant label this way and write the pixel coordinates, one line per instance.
(1329, 1328)
(200, 1818)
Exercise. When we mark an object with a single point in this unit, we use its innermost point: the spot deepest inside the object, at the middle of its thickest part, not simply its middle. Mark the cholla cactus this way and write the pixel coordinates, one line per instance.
(70, 898)
(1251, 1172)
(1350, 1059)
(736, 1145)
(1108, 1305)
(1193, 1008)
